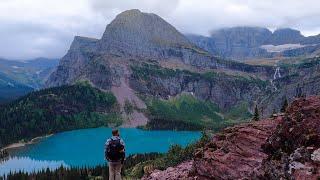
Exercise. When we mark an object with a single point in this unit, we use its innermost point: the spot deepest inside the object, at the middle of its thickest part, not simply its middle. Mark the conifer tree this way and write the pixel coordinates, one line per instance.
(284, 105)
(256, 115)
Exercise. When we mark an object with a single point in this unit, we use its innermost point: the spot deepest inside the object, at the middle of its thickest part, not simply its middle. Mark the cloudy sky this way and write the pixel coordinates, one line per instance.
(45, 28)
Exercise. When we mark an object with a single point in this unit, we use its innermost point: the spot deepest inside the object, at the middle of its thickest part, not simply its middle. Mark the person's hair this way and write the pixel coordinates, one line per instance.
(115, 132)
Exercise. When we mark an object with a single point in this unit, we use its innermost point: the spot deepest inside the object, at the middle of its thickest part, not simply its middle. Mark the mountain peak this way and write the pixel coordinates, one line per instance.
(138, 32)
(287, 30)
(130, 12)
(79, 42)
(285, 36)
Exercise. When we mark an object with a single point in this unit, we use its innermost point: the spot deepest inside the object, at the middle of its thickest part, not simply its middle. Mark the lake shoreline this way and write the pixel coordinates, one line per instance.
(85, 147)
(22, 144)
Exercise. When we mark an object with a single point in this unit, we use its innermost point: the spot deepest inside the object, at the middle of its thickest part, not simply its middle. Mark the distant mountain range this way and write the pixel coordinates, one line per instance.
(242, 43)
(11, 89)
(32, 72)
(20, 77)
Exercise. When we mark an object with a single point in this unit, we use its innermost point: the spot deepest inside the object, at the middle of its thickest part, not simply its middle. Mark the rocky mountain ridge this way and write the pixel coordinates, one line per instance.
(285, 146)
(132, 38)
(151, 58)
(242, 43)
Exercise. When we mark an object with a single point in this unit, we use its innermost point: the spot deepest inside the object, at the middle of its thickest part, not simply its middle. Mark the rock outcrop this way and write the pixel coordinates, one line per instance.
(293, 149)
(285, 36)
(283, 147)
(224, 90)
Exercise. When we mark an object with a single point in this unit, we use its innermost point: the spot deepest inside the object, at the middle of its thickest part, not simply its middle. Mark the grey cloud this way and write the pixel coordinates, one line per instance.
(50, 35)
(23, 40)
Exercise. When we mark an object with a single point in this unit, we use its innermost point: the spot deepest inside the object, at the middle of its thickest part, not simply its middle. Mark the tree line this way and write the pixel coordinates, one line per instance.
(56, 109)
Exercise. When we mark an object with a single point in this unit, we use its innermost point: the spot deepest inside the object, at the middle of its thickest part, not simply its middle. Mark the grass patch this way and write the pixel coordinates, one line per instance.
(239, 112)
(184, 112)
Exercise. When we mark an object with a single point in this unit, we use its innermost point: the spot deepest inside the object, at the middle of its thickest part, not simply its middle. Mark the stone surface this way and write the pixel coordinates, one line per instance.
(315, 156)
(182, 171)
(284, 147)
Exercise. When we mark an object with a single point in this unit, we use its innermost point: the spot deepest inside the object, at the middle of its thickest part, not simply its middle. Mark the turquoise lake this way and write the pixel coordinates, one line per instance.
(86, 147)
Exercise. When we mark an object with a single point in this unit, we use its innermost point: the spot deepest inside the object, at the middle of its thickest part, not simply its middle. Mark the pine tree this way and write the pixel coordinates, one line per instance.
(299, 91)
(256, 116)
(284, 106)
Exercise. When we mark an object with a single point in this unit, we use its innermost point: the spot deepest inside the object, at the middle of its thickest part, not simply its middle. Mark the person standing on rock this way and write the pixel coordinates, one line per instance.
(115, 154)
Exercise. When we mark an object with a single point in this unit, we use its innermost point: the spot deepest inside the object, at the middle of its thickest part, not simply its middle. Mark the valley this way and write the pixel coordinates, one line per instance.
(18, 78)
(161, 88)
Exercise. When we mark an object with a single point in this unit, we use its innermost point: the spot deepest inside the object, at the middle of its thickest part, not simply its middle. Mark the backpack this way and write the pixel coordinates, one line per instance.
(114, 149)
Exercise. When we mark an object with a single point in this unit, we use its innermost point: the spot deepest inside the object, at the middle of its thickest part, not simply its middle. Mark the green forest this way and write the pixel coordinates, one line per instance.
(57, 109)
(185, 112)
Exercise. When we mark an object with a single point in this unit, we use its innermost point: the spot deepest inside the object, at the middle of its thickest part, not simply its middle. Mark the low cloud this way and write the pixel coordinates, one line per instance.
(46, 28)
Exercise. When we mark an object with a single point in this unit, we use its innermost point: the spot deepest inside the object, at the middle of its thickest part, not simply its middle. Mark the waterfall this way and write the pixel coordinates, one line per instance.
(273, 85)
(277, 73)
(275, 76)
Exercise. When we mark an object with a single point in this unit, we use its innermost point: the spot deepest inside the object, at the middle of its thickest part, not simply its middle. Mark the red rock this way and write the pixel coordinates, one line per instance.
(182, 171)
(284, 147)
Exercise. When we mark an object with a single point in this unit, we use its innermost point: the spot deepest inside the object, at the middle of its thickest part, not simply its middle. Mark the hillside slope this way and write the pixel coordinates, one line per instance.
(285, 146)
(57, 109)
(32, 73)
(10, 89)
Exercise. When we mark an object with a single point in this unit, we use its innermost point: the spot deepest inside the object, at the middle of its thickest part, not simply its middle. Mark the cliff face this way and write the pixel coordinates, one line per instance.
(131, 35)
(285, 36)
(295, 81)
(225, 90)
(241, 43)
(73, 66)
(134, 38)
(134, 35)
(286, 146)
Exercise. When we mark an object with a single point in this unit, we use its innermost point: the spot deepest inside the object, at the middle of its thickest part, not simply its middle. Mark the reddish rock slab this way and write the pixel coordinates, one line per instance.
(284, 147)
(236, 152)
(182, 171)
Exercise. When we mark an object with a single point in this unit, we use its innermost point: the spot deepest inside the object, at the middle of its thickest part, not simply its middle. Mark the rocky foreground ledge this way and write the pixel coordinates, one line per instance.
(286, 146)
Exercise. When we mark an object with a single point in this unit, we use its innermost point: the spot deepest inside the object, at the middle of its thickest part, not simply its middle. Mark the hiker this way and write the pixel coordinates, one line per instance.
(115, 154)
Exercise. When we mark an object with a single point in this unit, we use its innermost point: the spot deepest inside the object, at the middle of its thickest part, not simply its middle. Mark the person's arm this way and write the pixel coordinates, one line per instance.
(123, 144)
(123, 151)
(105, 149)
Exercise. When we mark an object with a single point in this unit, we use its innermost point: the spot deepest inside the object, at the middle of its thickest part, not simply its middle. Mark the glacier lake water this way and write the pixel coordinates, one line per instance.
(85, 147)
